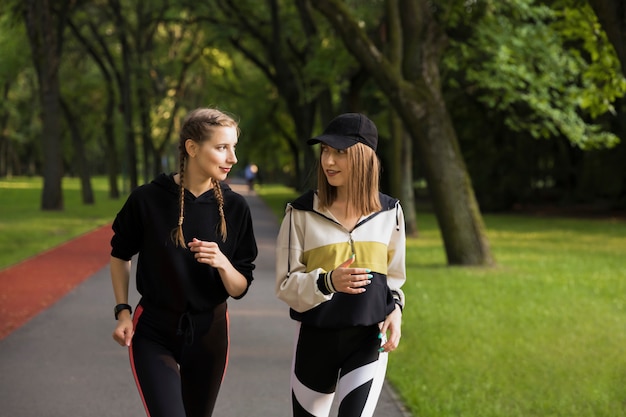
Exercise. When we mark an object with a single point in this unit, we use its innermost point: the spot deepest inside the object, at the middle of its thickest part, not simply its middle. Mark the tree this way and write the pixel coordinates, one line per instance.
(280, 49)
(90, 44)
(416, 95)
(80, 156)
(534, 89)
(526, 70)
(402, 146)
(45, 33)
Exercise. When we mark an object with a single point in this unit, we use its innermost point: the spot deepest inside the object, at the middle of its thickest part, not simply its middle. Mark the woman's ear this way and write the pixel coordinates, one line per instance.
(191, 147)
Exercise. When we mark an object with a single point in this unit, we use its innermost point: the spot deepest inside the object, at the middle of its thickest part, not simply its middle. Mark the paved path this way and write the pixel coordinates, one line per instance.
(63, 362)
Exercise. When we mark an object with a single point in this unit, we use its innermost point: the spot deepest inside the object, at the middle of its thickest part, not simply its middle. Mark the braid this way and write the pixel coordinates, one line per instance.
(220, 206)
(177, 233)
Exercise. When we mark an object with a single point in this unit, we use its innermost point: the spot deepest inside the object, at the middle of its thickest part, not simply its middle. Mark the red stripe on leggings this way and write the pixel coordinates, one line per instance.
(228, 346)
(138, 312)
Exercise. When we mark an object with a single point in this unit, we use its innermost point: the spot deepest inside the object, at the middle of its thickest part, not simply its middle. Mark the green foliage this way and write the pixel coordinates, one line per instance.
(541, 68)
(328, 66)
(13, 44)
(539, 335)
(603, 83)
(19, 109)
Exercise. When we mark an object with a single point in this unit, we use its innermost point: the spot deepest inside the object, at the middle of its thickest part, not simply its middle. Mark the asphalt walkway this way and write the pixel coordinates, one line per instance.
(63, 361)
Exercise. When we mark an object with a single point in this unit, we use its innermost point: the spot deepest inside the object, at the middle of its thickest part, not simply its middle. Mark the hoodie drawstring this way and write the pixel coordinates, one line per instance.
(186, 327)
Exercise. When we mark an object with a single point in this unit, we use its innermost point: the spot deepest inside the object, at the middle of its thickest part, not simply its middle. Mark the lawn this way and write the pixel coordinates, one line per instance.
(542, 334)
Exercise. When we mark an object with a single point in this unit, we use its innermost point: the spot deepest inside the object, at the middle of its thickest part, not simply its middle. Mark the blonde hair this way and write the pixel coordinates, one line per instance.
(198, 126)
(362, 186)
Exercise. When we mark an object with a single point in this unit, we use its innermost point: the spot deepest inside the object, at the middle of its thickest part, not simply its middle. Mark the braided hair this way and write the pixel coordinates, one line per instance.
(198, 126)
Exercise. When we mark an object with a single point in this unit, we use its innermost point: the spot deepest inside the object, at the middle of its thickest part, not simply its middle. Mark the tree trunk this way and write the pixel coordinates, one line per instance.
(407, 192)
(416, 96)
(151, 165)
(301, 108)
(80, 156)
(402, 173)
(125, 87)
(45, 49)
(110, 153)
(108, 125)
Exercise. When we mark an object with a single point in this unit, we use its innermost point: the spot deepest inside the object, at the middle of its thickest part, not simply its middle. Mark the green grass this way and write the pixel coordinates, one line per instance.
(26, 230)
(542, 334)
(276, 197)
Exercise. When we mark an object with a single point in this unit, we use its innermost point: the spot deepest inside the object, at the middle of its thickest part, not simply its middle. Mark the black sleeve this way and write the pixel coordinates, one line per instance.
(127, 230)
(246, 249)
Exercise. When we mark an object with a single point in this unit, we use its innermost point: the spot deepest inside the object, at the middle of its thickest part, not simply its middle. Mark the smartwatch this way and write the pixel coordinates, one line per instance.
(118, 308)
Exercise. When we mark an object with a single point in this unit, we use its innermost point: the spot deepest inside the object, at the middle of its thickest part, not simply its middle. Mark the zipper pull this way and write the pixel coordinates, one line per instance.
(351, 243)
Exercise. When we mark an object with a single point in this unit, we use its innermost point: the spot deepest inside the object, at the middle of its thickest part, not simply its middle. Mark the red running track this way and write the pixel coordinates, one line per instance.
(35, 284)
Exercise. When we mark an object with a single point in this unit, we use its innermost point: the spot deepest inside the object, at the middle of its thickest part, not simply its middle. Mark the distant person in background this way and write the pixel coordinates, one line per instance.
(340, 263)
(250, 173)
(196, 249)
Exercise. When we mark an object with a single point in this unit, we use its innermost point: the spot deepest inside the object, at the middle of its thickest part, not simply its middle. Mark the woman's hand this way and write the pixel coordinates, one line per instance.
(123, 333)
(350, 280)
(393, 324)
(209, 253)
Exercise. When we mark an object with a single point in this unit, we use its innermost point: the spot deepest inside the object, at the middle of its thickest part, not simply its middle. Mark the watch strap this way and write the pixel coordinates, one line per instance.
(118, 308)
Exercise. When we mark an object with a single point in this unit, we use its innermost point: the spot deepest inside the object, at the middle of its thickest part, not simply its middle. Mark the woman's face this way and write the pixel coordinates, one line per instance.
(214, 158)
(335, 165)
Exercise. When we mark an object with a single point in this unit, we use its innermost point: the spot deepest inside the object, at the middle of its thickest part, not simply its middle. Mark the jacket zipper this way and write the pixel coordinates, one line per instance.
(351, 242)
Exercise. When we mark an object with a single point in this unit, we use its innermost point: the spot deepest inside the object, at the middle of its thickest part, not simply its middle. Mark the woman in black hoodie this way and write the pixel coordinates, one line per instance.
(196, 247)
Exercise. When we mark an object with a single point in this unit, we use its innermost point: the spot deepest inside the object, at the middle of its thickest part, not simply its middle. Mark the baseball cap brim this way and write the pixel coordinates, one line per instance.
(334, 141)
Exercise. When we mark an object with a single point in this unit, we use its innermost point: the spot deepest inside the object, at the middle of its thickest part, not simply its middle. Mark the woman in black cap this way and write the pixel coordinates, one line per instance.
(340, 262)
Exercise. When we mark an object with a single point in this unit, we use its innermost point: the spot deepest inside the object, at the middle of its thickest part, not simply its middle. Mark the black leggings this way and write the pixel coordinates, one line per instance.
(345, 361)
(179, 361)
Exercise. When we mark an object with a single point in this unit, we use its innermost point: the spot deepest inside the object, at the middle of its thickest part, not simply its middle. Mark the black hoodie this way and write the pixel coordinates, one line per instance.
(168, 276)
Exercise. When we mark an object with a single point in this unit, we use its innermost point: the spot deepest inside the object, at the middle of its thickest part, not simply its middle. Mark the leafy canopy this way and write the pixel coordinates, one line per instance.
(547, 70)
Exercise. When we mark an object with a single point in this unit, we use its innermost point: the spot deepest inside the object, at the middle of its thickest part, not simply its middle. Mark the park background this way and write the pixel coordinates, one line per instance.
(501, 130)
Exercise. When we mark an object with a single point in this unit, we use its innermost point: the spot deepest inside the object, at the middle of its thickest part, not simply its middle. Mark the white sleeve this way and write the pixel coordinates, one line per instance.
(294, 285)
(396, 272)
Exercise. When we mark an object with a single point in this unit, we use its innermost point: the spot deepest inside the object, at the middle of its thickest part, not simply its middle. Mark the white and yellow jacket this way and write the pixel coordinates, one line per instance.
(311, 243)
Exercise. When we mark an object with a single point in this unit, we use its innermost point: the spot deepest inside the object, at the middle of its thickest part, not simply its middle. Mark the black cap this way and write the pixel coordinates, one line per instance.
(346, 130)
